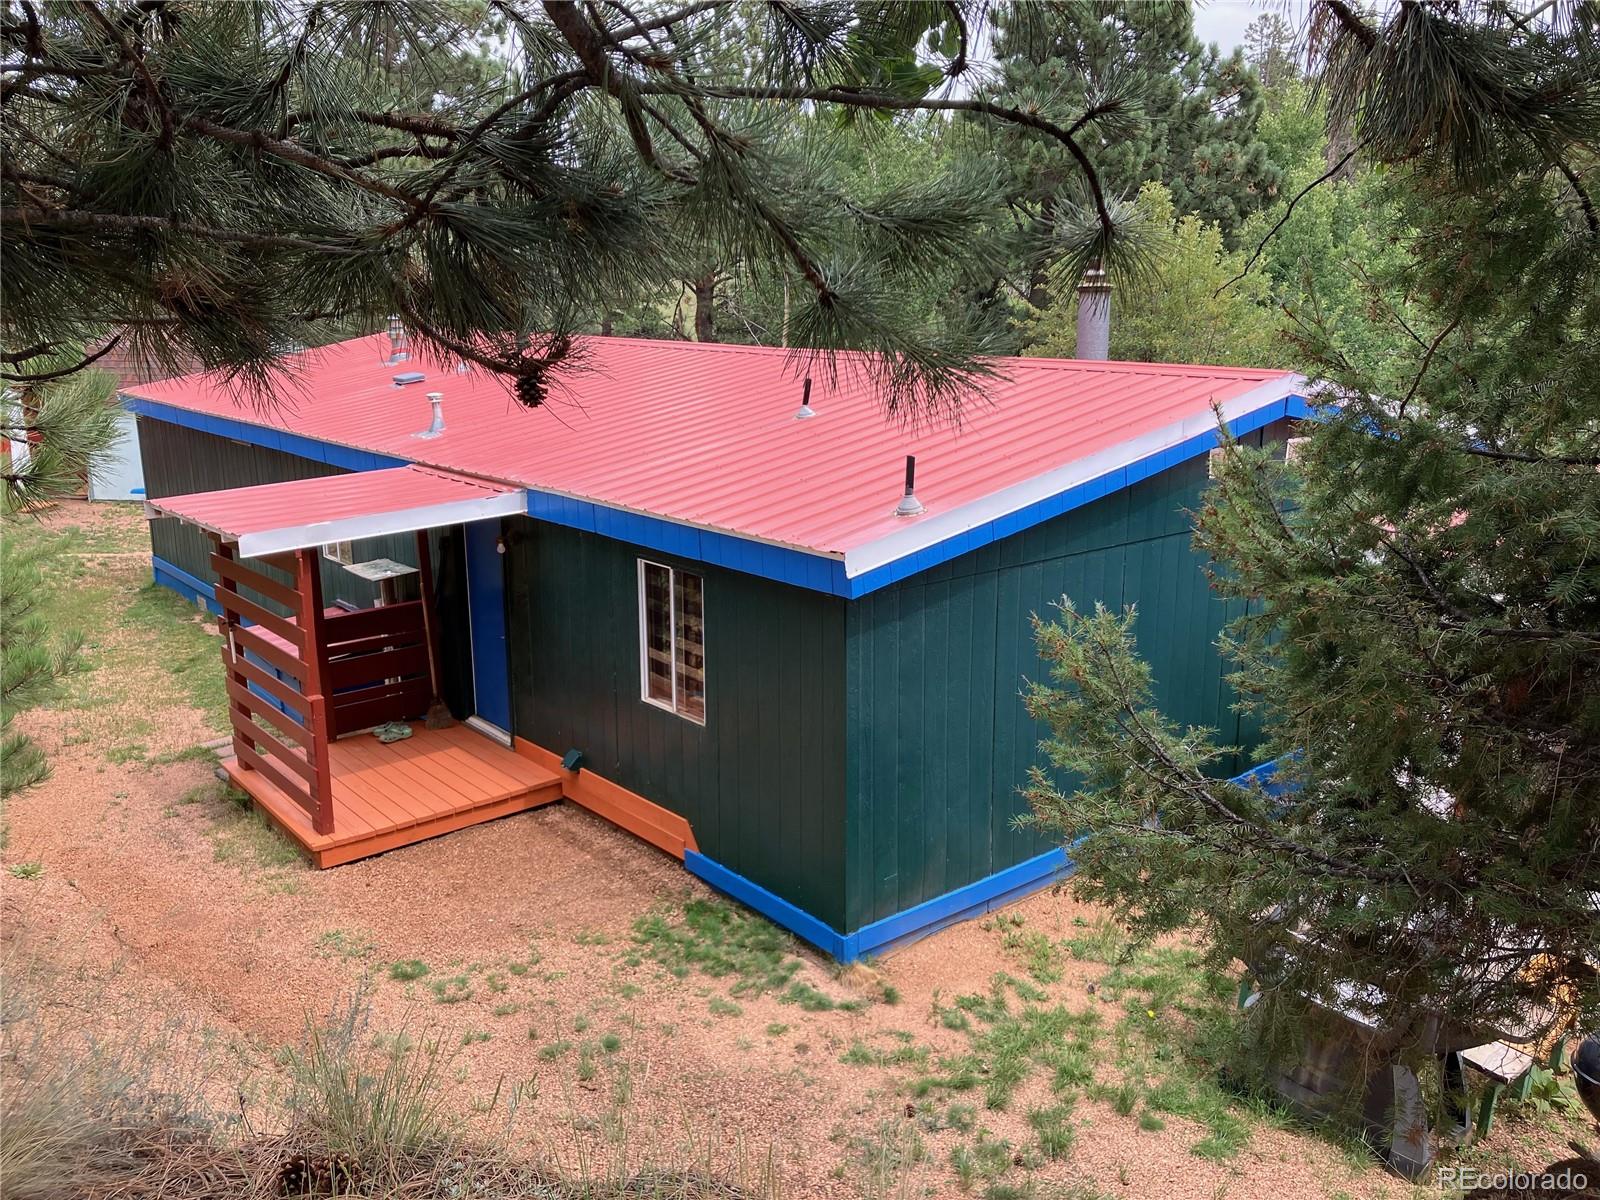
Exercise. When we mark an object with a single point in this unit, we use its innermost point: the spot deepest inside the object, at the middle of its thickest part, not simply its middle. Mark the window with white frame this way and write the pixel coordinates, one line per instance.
(672, 647)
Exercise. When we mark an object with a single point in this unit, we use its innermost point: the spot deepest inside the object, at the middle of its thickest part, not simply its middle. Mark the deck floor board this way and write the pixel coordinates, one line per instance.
(387, 796)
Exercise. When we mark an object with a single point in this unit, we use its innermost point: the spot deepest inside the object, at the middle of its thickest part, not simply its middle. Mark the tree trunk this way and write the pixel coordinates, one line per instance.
(705, 295)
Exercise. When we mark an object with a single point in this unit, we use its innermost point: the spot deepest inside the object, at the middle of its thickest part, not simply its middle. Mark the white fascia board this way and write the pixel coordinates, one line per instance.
(923, 532)
(370, 525)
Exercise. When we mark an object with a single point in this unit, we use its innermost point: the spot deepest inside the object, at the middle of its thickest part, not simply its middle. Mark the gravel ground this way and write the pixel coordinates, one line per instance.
(158, 897)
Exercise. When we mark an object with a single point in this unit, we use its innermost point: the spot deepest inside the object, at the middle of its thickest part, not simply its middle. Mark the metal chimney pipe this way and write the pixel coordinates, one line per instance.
(805, 411)
(1094, 314)
(909, 505)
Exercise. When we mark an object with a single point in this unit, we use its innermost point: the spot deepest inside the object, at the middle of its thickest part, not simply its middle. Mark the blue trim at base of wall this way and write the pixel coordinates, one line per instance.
(964, 903)
(973, 900)
(170, 575)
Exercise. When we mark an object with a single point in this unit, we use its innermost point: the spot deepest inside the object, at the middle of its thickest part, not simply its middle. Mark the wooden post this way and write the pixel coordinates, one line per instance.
(430, 621)
(226, 620)
(308, 580)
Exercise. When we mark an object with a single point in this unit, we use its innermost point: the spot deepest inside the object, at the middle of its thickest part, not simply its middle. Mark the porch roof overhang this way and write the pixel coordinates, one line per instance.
(275, 518)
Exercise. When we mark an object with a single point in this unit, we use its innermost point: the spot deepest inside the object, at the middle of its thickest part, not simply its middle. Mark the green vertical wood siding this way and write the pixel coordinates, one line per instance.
(938, 741)
(762, 782)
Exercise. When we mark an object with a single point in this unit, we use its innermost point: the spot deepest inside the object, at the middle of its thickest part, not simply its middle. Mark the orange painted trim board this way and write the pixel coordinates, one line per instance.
(643, 818)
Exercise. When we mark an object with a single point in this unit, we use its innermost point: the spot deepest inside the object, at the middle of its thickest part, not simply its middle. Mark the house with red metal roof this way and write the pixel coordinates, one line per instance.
(740, 613)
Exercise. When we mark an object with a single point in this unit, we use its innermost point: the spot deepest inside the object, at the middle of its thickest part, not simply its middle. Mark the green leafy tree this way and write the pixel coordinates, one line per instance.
(219, 180)
(1422, 642)
(1183, 310)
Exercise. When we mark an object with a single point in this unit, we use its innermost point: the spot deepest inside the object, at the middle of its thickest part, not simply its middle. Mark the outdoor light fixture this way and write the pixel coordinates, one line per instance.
(572, 760)
(909, 505)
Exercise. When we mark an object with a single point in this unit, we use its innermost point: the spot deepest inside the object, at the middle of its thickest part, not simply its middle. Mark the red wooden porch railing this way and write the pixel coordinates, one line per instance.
(377, 666)
(283, 660)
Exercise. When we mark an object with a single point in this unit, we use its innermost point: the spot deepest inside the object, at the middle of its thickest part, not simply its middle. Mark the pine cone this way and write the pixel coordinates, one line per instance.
(531, 388)
(294, 1176)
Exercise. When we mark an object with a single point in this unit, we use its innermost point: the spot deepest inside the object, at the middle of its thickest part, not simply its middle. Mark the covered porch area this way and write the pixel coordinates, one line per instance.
(308, 683)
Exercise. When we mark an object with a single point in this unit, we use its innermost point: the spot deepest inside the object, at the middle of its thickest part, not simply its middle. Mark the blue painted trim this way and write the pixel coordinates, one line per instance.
(814, 572)
(786, 565)
(963, 904)
(973, 900)
(774, 907)
(1266, 776)
(347, 457)
(170, 575)
(1076, 497)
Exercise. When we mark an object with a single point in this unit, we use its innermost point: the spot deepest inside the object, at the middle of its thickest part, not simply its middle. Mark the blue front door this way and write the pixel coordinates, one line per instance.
(486, 607)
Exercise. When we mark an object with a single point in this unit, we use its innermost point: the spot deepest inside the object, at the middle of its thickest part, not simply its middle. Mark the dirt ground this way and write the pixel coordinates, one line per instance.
(153, 895)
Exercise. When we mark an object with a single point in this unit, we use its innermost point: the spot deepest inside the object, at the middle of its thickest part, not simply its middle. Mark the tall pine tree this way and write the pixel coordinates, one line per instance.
(1423, 632)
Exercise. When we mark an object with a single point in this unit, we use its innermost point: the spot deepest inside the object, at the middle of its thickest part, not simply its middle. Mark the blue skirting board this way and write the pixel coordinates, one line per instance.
(963, 904)
(191, 588)
(973, 900)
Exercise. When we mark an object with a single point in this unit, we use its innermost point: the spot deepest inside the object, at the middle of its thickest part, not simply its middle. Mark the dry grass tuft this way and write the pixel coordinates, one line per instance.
(125, 1117)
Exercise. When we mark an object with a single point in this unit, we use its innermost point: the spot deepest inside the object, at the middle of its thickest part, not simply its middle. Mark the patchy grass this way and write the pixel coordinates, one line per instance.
(26, 870)
(1054, 1128)
(1102, 941)
(242, 836)
(454, 990)
(720, 940)
(407, 969)
(341, 943)
(148, 647)
(860, 1054)
(1042, 958)
(190, 754)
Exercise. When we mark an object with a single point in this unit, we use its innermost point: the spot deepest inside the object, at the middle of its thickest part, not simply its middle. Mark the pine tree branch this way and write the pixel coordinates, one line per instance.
(1584, 202)
(881, 102)
(141, 68)
(62, 373)
(67, 218)
(1433, 348)
(260, 142)
(1284, 219)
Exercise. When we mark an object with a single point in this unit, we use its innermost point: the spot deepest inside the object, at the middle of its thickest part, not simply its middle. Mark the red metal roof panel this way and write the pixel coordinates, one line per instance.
(273, 517)
(706, 434)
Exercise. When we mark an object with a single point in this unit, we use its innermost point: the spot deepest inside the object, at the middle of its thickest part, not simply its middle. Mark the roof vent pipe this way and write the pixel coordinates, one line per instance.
(435, 426)
(805, 411)
(1094, 314)
(909, 505)
(397, 340)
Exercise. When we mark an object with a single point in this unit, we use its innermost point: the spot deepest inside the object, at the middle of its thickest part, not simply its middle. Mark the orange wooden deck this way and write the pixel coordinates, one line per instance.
(388, 796)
